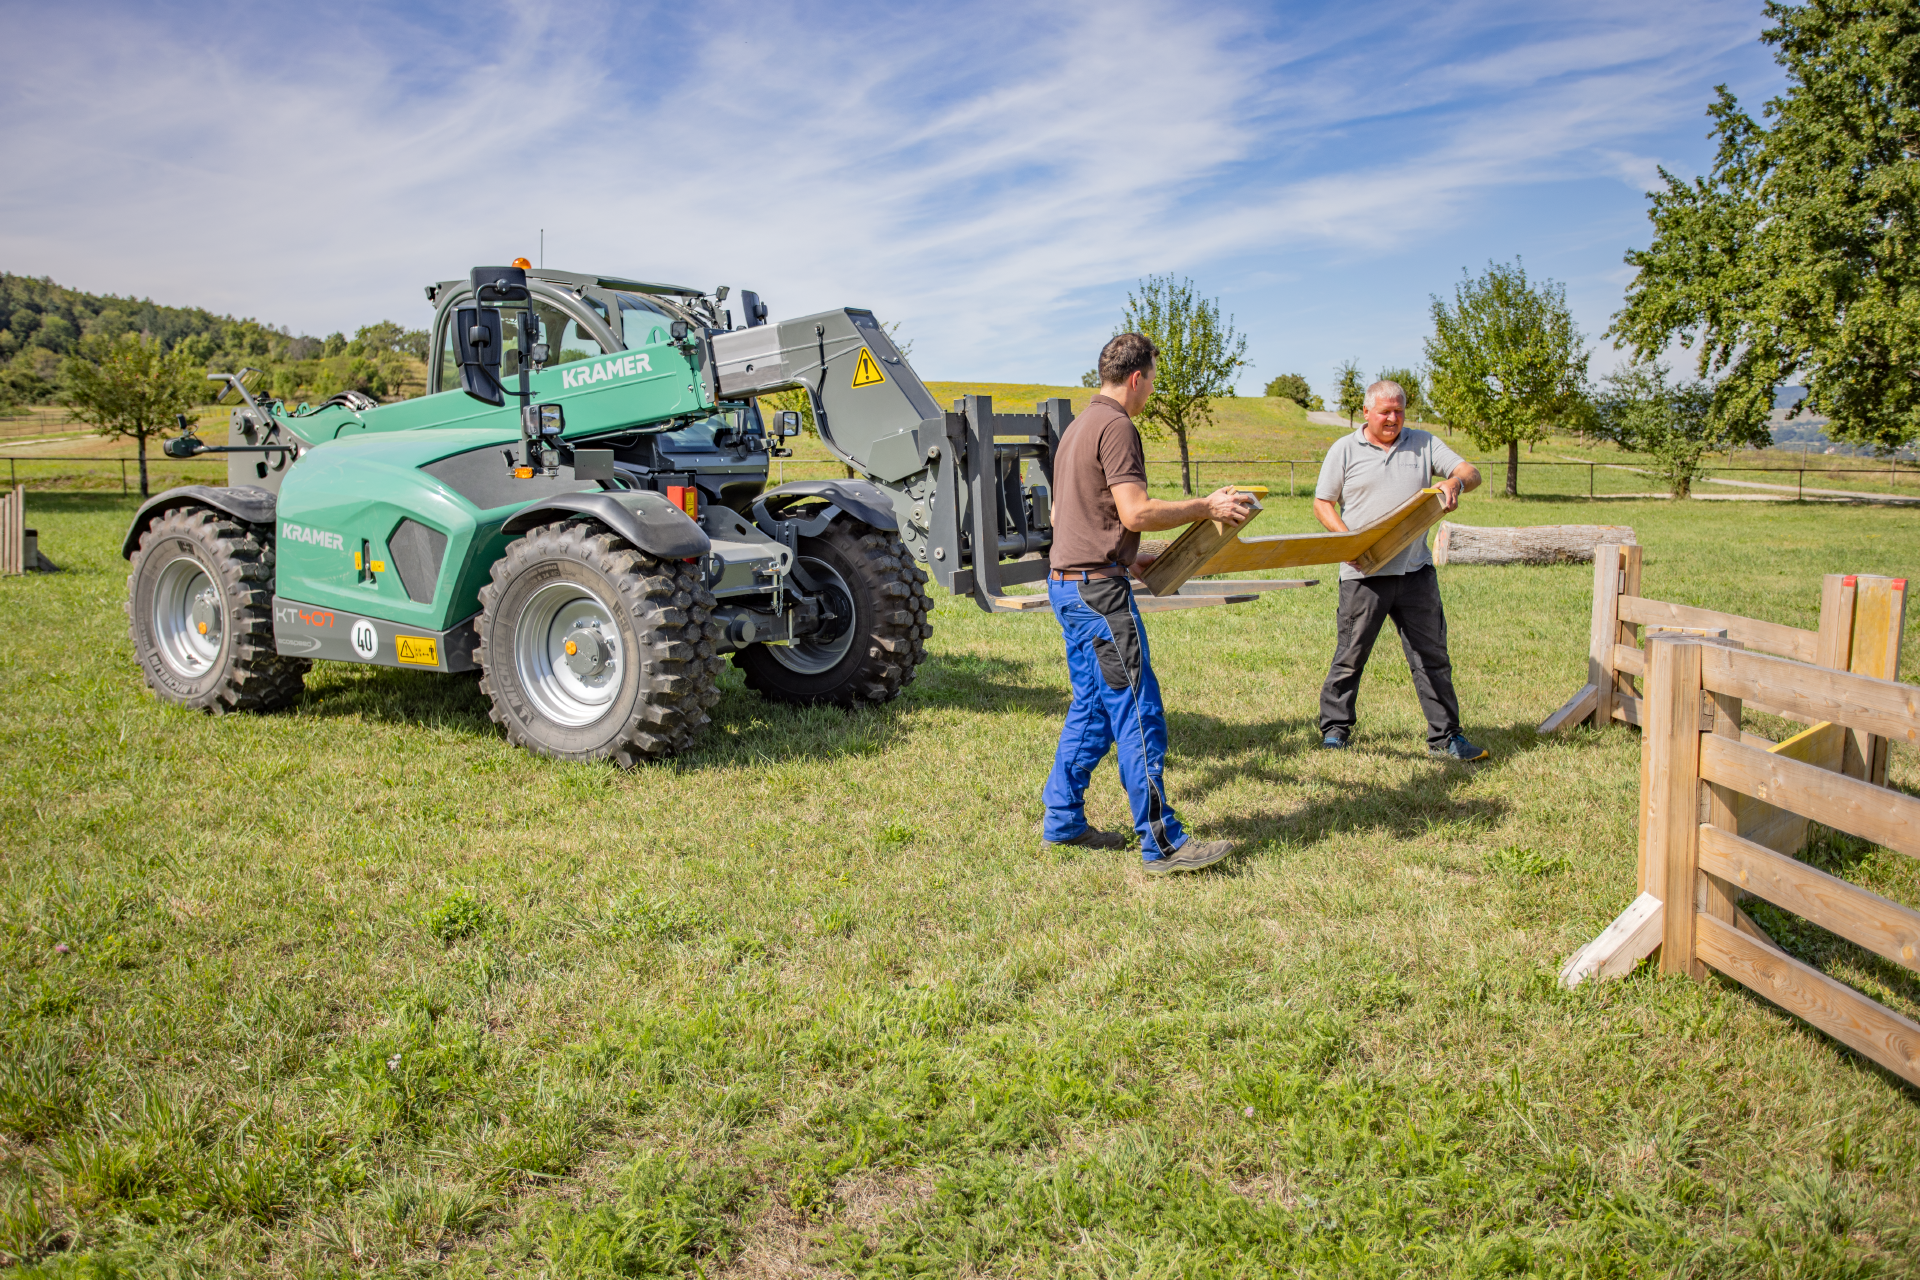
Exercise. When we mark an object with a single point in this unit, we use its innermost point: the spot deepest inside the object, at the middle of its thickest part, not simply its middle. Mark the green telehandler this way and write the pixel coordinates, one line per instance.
(579, 511)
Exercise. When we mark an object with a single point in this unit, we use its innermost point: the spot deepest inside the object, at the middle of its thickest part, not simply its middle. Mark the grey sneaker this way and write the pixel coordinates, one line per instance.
(1458, 748)
(1190, 856)
(1093, 838)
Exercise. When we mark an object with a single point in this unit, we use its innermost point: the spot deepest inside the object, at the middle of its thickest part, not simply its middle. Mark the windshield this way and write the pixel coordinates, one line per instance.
(697, 437)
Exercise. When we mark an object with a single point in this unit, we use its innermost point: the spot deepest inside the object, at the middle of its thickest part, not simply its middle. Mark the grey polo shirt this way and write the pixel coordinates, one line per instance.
(1369, 482)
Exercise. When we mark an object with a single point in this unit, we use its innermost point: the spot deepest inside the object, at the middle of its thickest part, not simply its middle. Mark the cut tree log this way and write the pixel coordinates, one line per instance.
(1532, 544)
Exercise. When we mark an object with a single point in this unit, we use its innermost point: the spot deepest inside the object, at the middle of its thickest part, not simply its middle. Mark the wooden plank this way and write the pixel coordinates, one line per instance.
(1609, 574)
(1846, 804)
(1189, 553)
(1669, 799)
(1836, 622)
(1629, 661)
(1627, 710)
(1859, 915)
(1789, 642)
(1575, 710)
(1237, 586)
(1885, 707)
(1717, 896)
(13, 536)
(1624, 943)
(1780, 829)
(1298, 550)
(1863, 1025)
(1410, 527)
(1165, 604)
(1020, 604)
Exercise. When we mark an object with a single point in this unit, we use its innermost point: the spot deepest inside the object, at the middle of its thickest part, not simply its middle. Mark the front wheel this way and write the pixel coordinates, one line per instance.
(592, 650)
(867, 650)
(200, 609)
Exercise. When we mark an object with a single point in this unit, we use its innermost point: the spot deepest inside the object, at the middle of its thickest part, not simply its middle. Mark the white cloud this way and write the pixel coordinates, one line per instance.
(993, 175)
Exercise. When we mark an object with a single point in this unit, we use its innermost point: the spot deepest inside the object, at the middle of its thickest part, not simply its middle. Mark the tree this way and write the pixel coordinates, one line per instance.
(1506, 361)
(1353, 390)
(129, 387)
(1091, 378)
(1674, 424)
(1797, 259)
(1410, 381)
(1198, 358)
(1294, 387)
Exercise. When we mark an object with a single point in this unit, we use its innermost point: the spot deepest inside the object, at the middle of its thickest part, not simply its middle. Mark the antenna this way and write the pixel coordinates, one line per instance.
(543, 246)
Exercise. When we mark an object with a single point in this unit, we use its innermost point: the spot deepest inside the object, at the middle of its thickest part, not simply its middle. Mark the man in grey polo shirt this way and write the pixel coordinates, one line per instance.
(1365, 476)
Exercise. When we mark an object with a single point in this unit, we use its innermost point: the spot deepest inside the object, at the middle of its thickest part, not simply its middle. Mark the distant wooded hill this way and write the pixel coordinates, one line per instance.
(43, 324)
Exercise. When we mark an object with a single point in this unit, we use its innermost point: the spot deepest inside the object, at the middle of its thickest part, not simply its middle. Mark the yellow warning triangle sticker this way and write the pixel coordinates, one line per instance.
(866, 373)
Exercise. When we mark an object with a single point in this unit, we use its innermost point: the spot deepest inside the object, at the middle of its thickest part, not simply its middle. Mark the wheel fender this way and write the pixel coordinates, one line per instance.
(243, 502)
(861, 499)
(641, 516)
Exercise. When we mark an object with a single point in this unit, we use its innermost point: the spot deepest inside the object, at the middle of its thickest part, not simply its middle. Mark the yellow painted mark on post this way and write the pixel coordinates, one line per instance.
(419, 651)
(866, 373)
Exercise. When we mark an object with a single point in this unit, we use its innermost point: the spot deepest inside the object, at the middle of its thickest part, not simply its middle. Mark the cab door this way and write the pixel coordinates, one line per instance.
(571, 331)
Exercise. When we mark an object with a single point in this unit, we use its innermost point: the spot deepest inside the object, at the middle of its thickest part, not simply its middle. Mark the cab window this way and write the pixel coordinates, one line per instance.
(567, 340)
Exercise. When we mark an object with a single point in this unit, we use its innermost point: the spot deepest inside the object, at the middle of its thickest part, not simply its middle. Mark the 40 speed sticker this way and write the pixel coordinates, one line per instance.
(366, 641)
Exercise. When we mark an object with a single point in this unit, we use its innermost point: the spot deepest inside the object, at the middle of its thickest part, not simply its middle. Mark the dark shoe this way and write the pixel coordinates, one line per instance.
(1458, 748)
(1190, 856)
(1334, 742)
(1093, 838)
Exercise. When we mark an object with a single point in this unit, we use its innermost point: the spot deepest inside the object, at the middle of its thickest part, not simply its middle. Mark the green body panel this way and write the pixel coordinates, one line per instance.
(360, 488)
(362, 479)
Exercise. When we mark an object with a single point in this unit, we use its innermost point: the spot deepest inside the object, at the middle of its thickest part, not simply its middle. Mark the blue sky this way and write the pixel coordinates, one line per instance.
(994, 176)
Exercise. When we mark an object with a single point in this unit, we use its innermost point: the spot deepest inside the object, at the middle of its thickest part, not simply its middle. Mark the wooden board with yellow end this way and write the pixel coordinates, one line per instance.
(1208, 547)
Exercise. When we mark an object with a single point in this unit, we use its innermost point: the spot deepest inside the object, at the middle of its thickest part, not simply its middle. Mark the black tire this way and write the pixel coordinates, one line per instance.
(200, 610)
(649, 695)
(887, 638)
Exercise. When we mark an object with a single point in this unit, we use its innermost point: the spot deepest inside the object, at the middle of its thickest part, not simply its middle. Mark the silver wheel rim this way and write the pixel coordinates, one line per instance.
(189, 617)
(564, 695)
(806, 656)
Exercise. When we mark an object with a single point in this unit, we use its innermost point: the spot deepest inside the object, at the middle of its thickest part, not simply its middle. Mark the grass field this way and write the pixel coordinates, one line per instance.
(361, 990)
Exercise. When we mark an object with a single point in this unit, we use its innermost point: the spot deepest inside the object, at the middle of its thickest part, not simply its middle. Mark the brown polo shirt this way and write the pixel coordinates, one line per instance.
(1101, 448)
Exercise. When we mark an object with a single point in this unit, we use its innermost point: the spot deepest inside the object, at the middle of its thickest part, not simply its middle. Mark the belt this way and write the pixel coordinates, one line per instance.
(1086, 575)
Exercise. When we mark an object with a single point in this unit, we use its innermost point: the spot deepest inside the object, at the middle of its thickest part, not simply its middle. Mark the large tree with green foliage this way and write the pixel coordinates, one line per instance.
(1293, 386)
(128, 386)
(1673, 423)
(1798, 257)
(1199, 355)
(1507, 361)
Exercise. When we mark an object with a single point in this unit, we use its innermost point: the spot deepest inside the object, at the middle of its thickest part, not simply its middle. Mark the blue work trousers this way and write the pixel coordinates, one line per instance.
(1116, 702)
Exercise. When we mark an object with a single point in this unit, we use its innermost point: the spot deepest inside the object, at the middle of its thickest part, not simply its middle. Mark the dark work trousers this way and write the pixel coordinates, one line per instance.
(1412, 600)
(1116, 703)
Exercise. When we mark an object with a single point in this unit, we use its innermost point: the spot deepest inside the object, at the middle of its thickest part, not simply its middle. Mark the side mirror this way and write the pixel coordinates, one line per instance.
(476, 346)
(788, 423)
(494, 285)
(754, 310)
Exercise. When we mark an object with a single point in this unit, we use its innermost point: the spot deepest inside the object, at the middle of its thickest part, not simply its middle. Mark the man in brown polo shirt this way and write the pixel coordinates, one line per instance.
(1100, 509)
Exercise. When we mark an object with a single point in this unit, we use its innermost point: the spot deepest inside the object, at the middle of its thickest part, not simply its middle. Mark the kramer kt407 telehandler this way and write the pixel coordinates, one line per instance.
(579, 511)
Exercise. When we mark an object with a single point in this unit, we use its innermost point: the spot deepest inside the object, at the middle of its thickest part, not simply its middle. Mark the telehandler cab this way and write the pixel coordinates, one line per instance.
(579, 511)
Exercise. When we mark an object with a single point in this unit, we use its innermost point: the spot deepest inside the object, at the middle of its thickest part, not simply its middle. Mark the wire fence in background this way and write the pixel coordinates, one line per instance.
(50, 473)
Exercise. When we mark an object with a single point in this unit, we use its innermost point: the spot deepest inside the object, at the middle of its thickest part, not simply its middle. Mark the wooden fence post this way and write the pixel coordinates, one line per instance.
(1670, 703)
(1717, 897)
(1879, 616)
(1613, 564)
(13, 531)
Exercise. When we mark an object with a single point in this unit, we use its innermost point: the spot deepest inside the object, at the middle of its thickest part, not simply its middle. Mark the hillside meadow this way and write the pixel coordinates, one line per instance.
(360, 990)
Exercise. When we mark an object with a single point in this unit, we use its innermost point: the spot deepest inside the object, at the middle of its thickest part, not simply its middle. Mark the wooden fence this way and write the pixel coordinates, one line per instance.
(1862, 617)
(1703, 779)
(13, 532)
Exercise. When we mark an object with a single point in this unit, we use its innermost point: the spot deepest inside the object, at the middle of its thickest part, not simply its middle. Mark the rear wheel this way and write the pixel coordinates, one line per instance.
(592, 650)
(868, 651)
(200, 610)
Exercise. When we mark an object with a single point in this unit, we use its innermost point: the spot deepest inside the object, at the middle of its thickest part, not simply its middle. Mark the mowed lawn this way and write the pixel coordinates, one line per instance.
(361, 990)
